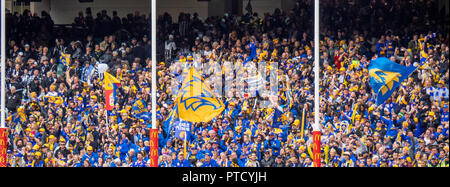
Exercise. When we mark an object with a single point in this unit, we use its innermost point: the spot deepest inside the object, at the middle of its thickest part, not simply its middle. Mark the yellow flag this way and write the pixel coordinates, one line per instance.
(109, 80)
(195, 100)
(354, 113)
(54, 99)
(303, 124)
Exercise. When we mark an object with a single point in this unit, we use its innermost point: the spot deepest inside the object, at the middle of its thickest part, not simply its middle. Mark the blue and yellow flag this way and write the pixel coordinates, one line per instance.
(423, 45)
(289, 97)
(195, 101)
(18, 116)
(279, 119)
(53, 99)
(140, 110)
(65, 59)
(170, 120)
(386, 76)
(183, 130)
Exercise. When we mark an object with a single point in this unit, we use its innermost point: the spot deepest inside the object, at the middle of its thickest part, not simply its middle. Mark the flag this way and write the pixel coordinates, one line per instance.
(423, 47)
(303, 123)
(249, 7)
(65, 59)
(170, 121)
(279, 119)
(195, 100)
(253, 52)
(386, 76)
(183, 130)
(354, 113)
(53, 99)
(111, 84)
(289, 97)
(18, 116)
(140, 110)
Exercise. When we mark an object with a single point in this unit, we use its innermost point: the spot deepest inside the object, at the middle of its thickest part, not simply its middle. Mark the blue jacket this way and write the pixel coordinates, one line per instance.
(211, 163)
(275, 144)
(93, 158)
(184, 163)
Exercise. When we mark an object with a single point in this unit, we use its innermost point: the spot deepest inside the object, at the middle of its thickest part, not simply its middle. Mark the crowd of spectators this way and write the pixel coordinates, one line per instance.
(409, 130)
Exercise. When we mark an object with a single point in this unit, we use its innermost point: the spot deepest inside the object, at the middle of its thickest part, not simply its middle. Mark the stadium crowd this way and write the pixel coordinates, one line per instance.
(409, 130)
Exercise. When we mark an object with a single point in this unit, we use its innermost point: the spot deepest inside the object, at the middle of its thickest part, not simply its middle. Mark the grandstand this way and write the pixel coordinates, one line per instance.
(78, 83)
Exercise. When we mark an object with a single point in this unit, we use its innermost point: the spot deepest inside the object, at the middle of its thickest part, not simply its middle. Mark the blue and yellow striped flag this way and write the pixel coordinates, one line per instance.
(386, 76)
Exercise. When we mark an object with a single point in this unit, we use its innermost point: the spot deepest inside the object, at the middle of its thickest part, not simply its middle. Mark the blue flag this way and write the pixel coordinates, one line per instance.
(140, 110)
(279, 119)
(170, 121)
(183, 129)
(386, 76)
(252, 47)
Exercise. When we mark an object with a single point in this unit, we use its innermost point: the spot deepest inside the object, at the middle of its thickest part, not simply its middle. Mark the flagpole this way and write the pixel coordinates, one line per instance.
(316, 127)
(107, 123)
(154, 130)
(3, 58)
(3, 88)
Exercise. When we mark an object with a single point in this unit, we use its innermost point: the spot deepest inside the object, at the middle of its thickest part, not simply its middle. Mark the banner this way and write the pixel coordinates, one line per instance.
(153, 147)
(316, 148)
(182, 130)
(3, 142)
